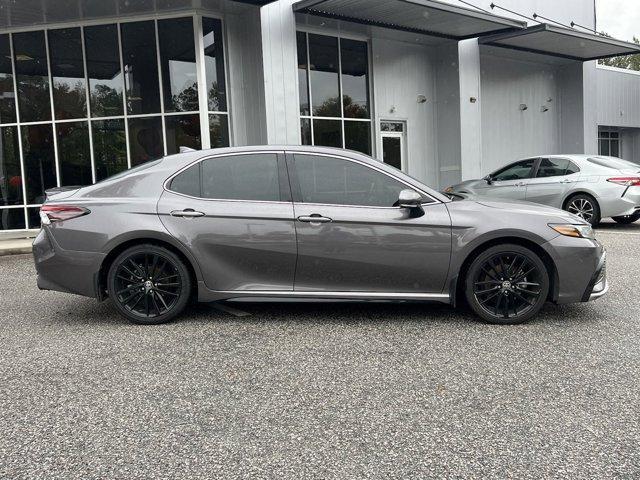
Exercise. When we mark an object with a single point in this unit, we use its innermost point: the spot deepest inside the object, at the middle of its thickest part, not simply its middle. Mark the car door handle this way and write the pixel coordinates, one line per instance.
(519, 184)
(314, 218)
(187, 213)
(565, 181)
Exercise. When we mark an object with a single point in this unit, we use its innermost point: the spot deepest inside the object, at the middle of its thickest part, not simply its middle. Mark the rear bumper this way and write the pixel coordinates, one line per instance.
(579, 263)
(65, 270)
(627, 204)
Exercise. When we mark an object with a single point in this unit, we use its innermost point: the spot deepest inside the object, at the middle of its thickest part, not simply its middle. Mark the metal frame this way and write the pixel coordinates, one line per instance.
(609, 140)
(196, 15)
(314, 7)
(403, 144)
(494, 40)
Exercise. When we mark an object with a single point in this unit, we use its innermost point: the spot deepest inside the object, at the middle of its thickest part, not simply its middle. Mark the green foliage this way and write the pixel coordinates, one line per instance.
(629, 62)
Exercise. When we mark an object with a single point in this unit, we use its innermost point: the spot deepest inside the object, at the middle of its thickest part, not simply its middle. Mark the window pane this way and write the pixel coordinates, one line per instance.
(188, 182)
(103, 70)
(12, 219)
(74, 155)
(178, 65)
(604, 134)
(516, 171)
(182, 131)
(327, 133)
(325, 87)
(140, 67)
(552, 167)
(7, 97)
(392, 151)
(145, 138)
(39, 162)
(219, 130)
(67, 73)
(614, 134)
(355, 78)
(32, 76)
(615, 148)
(305, 131)
(357, 136)
(603, 148)
(572, 168)
(10, 174)
(109, 147)
(33, 216)
(303, 83)
(241, 177)
(214, 64)
(341, 182)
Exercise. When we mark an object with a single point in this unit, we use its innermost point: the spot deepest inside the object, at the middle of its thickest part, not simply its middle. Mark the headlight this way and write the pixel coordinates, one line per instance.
(579, 231)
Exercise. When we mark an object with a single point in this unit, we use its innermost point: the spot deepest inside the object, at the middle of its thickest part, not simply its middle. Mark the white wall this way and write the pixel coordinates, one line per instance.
(618, 97)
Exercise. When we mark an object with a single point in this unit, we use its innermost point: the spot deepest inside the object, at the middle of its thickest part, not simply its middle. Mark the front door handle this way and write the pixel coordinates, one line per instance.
(565, 181)
(314, 218)
(519, 184)
(187, 213)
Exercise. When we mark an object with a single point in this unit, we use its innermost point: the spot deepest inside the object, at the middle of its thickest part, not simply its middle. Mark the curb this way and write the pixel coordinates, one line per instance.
(15, 251)
(16, 247)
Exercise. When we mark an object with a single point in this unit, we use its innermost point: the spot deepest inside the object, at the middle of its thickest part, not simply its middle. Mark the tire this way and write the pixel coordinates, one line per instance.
(506, 284)
(585, 206)
(627, 219)
(149, 284)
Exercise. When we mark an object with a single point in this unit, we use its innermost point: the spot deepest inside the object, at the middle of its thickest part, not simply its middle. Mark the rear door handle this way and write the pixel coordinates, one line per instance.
(187, 213)
(519, 184)
(565, 181)
(314, 218)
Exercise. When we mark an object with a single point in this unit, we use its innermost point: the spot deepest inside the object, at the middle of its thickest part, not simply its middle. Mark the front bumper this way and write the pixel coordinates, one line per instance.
(65, 270)
(599, 284)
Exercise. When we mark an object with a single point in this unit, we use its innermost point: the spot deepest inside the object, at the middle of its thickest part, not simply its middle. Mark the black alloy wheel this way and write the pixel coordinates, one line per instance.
(507, 284)
(585, 207)
(149, 284)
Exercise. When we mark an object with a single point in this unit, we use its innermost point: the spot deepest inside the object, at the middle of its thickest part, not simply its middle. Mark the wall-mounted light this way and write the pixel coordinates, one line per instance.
(473, 99)
(544, 108)
(392, 109)
(523, 107)
(422, 99)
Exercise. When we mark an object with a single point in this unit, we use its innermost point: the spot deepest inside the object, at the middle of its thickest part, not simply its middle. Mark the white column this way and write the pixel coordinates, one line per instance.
(470, 109)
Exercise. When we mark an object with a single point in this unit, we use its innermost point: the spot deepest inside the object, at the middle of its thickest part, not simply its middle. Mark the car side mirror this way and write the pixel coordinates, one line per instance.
(488, 179)
(409, 199)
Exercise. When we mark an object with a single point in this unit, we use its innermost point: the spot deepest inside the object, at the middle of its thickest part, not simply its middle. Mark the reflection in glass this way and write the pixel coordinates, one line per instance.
(178, 65)
(12, 219)
(214, 64)
(39, 163)
(32, 76)
(74, 155)
(182, 131)
(355, 78)
(303, 83)
(7, 97)
(10, 174)
(357, 136)
(327, 133)
(140, 67)
(145, 138)
(325, 87)
(219, 130)
(103, 70)
(67, 73)
(305, 131)
(33, 216)
(109, 147)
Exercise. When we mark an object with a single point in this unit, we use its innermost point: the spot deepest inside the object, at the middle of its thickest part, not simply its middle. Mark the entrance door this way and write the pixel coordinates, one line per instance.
(393, 148)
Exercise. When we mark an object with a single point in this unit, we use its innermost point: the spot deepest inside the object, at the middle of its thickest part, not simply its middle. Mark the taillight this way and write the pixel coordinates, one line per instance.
(58, 213)
(626, 181)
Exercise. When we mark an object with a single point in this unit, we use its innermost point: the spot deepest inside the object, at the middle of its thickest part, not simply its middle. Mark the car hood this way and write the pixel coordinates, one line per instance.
(529, 208)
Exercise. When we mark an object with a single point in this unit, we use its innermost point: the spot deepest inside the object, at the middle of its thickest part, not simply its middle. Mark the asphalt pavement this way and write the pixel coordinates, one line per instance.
(330, 391)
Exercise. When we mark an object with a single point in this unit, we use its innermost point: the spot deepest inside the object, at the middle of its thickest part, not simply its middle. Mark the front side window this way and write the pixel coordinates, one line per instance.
(333, 81)
(342, 182)
(516, 171)
(552, 167)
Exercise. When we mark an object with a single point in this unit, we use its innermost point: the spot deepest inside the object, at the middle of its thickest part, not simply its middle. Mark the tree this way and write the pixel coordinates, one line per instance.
(629, 62)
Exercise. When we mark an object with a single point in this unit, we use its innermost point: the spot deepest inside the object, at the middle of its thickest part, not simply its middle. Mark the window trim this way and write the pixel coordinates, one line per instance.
(297, 194)
(279, 157)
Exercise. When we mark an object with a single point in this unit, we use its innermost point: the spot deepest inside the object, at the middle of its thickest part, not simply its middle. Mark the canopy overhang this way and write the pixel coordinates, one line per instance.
(426, 17)
(562, 42)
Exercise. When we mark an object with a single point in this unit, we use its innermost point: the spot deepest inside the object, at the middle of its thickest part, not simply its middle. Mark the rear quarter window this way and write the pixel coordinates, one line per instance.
(187, 182)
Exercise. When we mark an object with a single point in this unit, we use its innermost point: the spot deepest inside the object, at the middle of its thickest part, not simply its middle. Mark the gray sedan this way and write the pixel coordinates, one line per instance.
(592, 187)
(273, 223)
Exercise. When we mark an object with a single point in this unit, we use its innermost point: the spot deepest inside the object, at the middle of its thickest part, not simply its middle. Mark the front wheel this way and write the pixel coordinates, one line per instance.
(507, 284)
(627, 219)
(149, 284)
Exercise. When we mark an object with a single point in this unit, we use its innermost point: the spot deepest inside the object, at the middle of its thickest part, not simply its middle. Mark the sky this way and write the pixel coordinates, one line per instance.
(619, 18)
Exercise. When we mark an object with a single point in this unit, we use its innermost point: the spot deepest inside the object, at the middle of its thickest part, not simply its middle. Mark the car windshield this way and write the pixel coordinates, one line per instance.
(125, 173)
(613, 162)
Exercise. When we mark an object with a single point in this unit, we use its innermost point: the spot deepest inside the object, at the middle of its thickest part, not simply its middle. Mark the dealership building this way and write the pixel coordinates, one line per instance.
(443, 90)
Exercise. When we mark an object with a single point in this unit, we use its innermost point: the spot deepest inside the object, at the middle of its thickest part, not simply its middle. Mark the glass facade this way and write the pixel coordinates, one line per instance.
(79, 104)
(333, 80)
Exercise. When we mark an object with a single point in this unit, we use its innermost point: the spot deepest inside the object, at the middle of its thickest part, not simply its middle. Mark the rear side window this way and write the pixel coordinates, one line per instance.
(572, 168)
(188, 182)
(335, 181)
(241, 177)
(552, 167)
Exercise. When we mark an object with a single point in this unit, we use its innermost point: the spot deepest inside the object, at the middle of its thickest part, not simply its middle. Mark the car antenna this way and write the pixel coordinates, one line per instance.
(187, 149)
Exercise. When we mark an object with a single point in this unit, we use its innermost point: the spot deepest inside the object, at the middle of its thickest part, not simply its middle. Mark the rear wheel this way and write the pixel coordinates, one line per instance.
(507, 284)
(627, 219)
(149, 284)
(584, 206)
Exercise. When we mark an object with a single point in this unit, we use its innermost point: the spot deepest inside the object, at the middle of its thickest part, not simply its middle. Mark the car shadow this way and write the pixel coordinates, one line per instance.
(610, 225)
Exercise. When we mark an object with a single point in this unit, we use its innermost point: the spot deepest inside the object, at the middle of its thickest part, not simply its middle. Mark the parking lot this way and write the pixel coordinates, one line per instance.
(321, 390)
